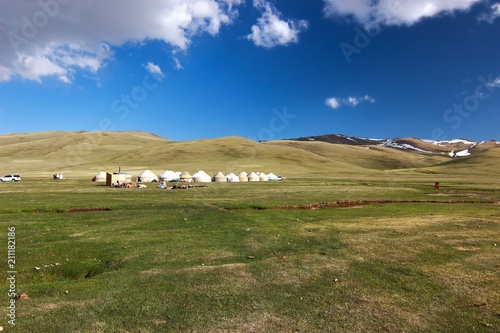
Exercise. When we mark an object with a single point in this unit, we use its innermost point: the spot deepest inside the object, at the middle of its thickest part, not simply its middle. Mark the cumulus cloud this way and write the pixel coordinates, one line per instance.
(271, 30)
(394, 12)
(57, 37)
(336, 102)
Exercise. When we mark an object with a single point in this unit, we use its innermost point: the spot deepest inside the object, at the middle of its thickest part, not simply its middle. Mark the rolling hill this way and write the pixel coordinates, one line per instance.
(83, 154)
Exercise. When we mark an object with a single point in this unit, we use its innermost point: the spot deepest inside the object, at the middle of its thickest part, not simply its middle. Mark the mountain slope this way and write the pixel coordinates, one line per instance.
(368, 157)
(485, 162)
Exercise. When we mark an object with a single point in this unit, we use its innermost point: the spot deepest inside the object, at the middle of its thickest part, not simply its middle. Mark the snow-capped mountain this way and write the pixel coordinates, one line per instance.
(453, 148)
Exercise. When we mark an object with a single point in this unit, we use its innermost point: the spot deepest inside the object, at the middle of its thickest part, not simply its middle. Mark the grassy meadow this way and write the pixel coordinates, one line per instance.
(237, 257)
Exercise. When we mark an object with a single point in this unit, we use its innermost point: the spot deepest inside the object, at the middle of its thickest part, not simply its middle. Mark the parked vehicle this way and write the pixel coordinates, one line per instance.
(11, 178)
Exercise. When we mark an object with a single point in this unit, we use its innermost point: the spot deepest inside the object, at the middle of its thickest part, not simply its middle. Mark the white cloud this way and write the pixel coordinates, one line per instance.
(335, 102)
(271, 30)
(495, 83)
(492, 15)
(368, 99)
(353, 101)
(55, 37)
(332, 102)
(154, 70)
(496, 9)
(177, 62)
(394, 12)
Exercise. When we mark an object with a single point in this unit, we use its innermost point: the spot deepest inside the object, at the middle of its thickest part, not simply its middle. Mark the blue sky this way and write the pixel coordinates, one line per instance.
(259, 69)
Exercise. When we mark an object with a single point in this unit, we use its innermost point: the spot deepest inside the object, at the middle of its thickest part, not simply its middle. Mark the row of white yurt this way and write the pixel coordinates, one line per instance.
(200, 177)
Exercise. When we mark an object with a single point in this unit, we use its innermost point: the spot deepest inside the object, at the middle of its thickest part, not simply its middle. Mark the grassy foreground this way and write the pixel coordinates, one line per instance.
(221, 259)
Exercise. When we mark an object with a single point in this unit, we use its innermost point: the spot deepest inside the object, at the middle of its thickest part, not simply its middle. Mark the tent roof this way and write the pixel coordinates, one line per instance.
(272, 176)
(147, 174)
(170, 175)
(219, 177)
(253, 176)
(232, 177)
(201, 174)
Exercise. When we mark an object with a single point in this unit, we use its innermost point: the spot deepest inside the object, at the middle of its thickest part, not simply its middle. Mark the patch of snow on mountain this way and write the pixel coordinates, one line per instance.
(370, 139)
(434, 142)
(466, 142)
(447, 142)
(461, 153)
(390, 143)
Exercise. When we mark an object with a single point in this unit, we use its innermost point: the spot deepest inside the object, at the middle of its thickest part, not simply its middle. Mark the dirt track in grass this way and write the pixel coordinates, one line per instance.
(360, 203)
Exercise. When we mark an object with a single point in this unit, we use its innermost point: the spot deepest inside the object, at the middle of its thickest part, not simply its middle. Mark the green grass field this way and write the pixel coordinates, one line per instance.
(244, 257)
(222, 259)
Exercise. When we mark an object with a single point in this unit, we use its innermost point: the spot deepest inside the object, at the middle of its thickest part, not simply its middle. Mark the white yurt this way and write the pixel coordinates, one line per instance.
(219, 177)
(147, 176)
(186, 177)
(201, 177)
(169, 176)
(232, 178)
(100, 177)
(272, 177)
(263, 177)
(253, 177)
(243, 176)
